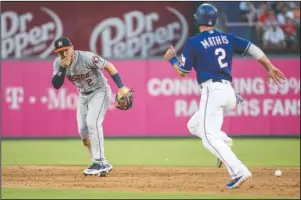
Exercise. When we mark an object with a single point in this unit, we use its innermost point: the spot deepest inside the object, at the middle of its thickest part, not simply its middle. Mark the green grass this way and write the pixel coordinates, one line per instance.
(14, 193)
(159, 152)
(153, 152)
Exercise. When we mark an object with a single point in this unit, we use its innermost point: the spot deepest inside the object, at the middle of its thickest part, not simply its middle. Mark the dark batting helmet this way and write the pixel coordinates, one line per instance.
(206, 14)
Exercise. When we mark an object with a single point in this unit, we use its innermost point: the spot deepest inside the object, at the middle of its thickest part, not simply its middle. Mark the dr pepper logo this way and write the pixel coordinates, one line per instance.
(139, 33)
(29, 34)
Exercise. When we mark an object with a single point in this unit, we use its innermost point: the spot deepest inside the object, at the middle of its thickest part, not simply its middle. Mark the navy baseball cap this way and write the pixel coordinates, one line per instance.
(62, 43)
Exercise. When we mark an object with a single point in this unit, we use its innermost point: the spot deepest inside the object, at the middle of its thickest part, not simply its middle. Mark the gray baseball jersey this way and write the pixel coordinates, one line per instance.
(84, 71)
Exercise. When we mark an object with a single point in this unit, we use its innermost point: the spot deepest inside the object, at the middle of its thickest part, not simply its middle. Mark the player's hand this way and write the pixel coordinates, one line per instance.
(65, 62)
(239, 98)
(124, 98)
(122, 91)
(275, 75)
(171, 52)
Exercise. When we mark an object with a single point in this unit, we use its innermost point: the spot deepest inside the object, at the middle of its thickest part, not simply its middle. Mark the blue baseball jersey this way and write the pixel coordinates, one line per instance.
(210, 53)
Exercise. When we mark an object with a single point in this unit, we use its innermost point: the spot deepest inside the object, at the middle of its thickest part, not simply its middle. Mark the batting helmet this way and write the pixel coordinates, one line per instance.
(206, 14)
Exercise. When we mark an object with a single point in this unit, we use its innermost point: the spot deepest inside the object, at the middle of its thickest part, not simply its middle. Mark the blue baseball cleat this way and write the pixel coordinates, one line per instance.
(97, 169)
(235, 183)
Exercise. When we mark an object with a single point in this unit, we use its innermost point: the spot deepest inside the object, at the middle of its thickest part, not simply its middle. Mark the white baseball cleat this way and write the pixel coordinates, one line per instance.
(98, 170)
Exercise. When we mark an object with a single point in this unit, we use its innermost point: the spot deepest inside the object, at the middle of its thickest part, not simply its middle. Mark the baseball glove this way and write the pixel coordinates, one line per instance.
(125, 101)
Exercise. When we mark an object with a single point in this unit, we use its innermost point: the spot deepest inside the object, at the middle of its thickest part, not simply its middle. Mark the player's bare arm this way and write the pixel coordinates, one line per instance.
(111, 69)
(170, 56)
(124, 96)
(274, 74)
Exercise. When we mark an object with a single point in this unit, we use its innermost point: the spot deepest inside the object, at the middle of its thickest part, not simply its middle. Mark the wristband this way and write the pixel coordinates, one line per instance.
(116, 78)
(62, 69)
(61, 72)
(173, 60)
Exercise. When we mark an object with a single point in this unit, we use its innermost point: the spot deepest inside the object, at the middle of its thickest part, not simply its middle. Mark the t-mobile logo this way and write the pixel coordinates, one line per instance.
(14, 96)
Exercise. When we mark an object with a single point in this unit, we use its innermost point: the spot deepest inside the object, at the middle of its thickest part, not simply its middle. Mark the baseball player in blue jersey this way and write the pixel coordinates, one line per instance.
(210, 53)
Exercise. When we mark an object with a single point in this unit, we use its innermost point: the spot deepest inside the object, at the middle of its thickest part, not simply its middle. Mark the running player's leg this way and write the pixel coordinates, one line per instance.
(211, 109)
(193, 124)
(225, 138)
(194, 127)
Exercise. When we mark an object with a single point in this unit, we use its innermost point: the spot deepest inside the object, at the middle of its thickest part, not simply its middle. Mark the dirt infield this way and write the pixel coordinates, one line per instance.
(198, 180)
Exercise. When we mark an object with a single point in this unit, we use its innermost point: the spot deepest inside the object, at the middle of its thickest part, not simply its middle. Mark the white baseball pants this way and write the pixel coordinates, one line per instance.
(216, 99)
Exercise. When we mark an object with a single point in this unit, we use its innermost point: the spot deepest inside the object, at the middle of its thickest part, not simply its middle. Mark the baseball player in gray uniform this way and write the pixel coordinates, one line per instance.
(84, 70)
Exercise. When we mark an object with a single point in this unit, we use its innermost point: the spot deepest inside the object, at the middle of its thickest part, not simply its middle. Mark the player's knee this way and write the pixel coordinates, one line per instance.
(191, 127)
(94, 126)
(194, 128)
(91, 127)
(83, 132)
(91, 122)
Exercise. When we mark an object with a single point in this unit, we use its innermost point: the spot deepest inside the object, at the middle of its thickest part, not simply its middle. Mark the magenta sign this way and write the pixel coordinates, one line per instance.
(163, 102)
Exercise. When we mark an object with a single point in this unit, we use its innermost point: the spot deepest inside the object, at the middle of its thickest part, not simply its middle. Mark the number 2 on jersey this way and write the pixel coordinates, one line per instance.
(89, 81)
(221, 53)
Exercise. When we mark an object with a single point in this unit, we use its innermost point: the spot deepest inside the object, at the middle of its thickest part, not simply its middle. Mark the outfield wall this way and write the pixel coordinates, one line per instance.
(163, 102)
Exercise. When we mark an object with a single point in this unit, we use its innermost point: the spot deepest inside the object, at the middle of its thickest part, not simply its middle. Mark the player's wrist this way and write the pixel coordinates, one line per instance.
(62, 69)
(173, 60)
(117, 79)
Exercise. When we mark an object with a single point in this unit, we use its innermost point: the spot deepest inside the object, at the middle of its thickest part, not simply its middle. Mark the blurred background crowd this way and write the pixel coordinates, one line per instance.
(275, 26)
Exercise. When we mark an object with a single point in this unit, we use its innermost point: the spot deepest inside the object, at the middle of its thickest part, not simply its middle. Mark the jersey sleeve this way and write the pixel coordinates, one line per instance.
(94, 61)
(56, 67)
(240, 45)
(187, 59)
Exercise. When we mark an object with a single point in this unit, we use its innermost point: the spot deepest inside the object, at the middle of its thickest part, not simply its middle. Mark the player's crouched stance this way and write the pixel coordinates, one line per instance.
(210, 52)
(84, 70)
